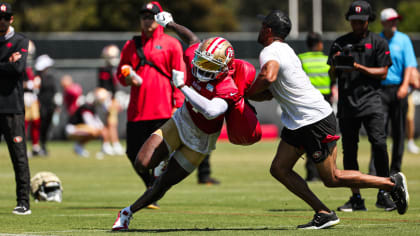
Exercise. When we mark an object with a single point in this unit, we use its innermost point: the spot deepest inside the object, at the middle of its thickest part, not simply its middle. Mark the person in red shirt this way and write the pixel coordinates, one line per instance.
(154, 100)
(192, 132)
(71, 93)
(32, 114)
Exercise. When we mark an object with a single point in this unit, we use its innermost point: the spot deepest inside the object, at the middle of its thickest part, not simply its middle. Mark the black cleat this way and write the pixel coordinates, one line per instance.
(354, 204)
(384, 201)
(400, 192)
(321, 221)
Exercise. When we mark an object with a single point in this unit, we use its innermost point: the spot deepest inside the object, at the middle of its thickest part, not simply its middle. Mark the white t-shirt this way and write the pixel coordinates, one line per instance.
(301, 102)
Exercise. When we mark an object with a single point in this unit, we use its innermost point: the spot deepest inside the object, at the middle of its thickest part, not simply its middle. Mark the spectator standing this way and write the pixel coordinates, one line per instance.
(395, 88)
(107, 79)
(410, 129)
(13, 54)
(314, 63)
(46, 95)
(31, 89)
(154, 99)
(411, 112)
(359, 100)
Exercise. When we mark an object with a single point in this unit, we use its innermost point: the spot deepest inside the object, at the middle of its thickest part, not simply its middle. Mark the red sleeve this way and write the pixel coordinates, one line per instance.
(189, 54)
(126, 53)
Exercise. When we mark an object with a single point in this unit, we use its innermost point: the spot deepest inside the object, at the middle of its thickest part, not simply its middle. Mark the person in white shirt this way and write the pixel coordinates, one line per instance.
(310, 126)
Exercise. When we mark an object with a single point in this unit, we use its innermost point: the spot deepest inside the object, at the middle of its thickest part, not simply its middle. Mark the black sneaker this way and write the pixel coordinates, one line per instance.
(400, 192)
(384, 201)
(321, 221)
(21, 210)
(354, 204)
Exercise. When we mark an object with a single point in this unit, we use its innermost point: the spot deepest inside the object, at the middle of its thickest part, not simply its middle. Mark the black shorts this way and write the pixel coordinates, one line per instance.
(318, 139)
(137, 134)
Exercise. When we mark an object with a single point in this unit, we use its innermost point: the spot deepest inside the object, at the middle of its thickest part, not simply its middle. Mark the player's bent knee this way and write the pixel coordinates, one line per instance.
(277, 172)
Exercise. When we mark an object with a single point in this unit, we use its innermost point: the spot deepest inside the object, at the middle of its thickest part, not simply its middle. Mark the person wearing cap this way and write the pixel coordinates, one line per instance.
(309, 126)
(153, 101)
(359, 100)
(396, 87)
(47, 91)
(13, 54)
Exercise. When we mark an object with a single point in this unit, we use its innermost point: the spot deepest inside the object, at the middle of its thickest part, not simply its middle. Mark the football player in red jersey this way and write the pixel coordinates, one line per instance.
(244, 76)
(192, 132)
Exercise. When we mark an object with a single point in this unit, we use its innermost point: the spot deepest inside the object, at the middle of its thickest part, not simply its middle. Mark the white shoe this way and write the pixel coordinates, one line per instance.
(118, 149)
(412, 147)
(122, 221)
(80, 150)
(107, 149)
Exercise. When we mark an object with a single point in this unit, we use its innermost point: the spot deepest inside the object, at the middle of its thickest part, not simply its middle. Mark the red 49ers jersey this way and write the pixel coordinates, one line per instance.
(222, 88)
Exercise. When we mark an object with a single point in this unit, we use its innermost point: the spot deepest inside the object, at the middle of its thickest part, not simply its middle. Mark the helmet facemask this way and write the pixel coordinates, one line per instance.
(50, 192)
(212, 62)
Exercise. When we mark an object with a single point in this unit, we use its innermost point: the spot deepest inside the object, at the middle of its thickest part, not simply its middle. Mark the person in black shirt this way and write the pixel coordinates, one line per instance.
(359, 101)
(85, 125)
(46, 97)
(13, 54)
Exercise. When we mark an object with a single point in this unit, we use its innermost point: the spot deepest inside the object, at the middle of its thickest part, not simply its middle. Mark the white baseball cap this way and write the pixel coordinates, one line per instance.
(389, 14)
(43, 62)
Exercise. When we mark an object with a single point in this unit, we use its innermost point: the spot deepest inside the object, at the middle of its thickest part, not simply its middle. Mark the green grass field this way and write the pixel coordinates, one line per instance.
(248, 202)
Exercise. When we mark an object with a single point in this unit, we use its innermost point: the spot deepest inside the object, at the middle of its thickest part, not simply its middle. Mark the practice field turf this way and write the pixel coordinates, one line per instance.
(248, 201)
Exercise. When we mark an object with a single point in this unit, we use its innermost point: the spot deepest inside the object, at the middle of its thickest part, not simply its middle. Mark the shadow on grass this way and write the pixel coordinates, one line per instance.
(199, 230)
(288, 210)
(94, 208)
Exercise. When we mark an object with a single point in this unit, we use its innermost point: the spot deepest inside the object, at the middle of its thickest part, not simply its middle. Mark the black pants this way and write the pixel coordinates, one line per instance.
(12, 127)
(395, 111)
(137, 134)
(373, 123)
(46, 114)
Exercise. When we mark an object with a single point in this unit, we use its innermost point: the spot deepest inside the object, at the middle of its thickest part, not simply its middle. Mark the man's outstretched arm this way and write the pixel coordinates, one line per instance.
(166, 20)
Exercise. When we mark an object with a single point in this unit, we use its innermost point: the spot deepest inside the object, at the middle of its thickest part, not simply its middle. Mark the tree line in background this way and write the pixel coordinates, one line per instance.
(199, 15)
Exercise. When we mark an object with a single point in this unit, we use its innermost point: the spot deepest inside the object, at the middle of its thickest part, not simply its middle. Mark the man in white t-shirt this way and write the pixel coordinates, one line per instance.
(310, 126)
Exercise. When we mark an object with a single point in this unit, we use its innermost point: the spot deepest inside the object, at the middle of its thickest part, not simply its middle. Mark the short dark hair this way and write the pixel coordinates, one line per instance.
(279, 23)
(312, 39)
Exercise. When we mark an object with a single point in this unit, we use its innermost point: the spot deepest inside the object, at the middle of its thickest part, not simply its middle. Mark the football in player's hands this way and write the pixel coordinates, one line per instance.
(163, 18)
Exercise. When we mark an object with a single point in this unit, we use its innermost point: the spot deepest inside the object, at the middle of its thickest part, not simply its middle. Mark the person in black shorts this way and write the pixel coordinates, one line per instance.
(359, 100)
(13, 54)
(310, 126)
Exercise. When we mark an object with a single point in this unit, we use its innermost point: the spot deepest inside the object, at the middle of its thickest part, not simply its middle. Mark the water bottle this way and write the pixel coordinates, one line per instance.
(128, 71)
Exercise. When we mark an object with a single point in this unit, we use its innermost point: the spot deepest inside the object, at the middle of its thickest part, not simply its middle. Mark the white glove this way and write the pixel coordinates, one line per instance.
(178, 78)
(163, 18)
